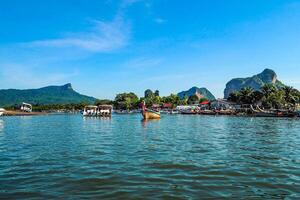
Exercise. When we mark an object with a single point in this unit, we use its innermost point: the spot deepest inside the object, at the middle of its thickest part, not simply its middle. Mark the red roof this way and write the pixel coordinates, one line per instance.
(204, 103)
(167, 105)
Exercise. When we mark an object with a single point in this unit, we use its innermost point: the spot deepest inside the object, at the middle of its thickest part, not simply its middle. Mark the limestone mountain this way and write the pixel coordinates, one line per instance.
(268, 76)
(200, 92)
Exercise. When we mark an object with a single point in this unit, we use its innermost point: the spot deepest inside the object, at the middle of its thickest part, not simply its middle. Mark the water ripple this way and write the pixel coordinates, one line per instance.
(178, 157)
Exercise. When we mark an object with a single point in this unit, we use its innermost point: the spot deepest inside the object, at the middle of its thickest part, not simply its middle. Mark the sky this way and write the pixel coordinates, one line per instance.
(105, 47)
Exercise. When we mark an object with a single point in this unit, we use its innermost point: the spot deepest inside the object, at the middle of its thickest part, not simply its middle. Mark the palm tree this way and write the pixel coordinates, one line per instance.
(290, 95)
(246, 95)
(267, 89)
(234, 97)
(257, 96)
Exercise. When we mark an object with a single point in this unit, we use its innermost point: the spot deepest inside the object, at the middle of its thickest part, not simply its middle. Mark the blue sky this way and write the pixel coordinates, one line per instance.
(104, 47)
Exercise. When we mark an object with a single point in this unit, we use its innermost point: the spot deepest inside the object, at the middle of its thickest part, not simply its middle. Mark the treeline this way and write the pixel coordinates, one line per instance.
(269, 96)
(122, 101)
(130, 101)
(52, 107)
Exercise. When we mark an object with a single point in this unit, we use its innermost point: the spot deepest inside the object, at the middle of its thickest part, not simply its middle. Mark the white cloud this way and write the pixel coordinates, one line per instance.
(104, 37)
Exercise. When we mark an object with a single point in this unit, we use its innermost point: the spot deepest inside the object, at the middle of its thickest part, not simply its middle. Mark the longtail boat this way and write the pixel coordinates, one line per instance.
(272, 113)
(148, 113)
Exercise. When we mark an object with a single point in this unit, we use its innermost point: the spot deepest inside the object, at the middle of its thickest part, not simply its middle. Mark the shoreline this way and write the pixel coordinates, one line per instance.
(19, 113)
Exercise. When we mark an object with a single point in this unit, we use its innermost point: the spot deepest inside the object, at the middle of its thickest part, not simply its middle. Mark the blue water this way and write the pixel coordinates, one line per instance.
(177, 157)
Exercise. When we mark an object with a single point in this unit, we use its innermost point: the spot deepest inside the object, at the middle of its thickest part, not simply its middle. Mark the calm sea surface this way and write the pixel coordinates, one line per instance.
(178, 157)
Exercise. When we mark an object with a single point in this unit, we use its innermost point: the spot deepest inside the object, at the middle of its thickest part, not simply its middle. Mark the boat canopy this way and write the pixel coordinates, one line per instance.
(26, 104)
(90, 106)
(109, 107)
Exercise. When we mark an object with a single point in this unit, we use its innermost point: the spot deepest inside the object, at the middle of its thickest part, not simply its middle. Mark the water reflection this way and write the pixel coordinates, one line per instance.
(1, 125)
(145, 122)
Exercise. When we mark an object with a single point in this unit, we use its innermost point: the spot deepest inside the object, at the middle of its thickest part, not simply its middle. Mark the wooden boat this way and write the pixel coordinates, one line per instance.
(148, 113)
(207, 112)
(272, 113)
(225, 112)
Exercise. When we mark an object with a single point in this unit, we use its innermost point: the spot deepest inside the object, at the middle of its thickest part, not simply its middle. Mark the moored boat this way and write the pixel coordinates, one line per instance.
(97, 111)
(272, 113)
(148, 113)
(207, 112)
(26, 107)
(2, 111)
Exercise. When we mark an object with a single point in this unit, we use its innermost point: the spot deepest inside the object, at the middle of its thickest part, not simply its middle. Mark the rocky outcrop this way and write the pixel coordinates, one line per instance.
(268, 76)
(200, 92)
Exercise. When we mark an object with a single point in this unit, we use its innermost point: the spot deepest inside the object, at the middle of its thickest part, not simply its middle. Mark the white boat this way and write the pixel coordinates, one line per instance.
(26, 107)
(2, 111)
(97, 111)
(90, 111)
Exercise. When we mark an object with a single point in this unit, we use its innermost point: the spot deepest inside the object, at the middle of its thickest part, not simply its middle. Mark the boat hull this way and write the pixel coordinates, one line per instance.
(150, 115)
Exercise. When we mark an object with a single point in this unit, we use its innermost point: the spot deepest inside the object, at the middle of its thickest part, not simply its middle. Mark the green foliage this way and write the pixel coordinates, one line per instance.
(54, 107)
(194, 99)
(126, 101)
(269, 96)
(44, 96)
(103, 102)
(173, 99)
(203, 100)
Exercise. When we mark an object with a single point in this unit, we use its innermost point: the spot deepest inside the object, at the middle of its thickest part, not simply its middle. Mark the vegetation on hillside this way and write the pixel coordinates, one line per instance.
(269, 96)
(51, 95)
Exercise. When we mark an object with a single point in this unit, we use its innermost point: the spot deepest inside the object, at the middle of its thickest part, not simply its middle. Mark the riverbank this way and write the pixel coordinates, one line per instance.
(19, 113)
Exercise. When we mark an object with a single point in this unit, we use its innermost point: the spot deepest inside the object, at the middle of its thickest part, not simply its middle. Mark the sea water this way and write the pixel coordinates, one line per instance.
(177, 157)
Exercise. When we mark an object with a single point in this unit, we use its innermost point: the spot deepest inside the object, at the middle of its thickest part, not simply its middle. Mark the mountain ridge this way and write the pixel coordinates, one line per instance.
(64, 94)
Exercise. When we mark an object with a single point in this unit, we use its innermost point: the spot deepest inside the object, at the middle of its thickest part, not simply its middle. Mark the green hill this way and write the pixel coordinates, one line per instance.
(200, 92)
(43, 96)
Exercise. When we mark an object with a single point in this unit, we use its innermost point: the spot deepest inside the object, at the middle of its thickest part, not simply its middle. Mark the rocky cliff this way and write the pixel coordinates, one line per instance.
(256, 82)
(200, 92)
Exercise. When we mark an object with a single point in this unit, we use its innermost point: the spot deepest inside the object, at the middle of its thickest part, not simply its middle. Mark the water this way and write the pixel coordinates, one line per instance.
(178, 157)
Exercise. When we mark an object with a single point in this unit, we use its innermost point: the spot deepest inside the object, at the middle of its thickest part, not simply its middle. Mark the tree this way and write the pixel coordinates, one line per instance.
(234, 97)
(268, 89)
(172, 99)
(290, 95)
(257, 96)
(193, 99)
(203, 100)
(156, 93)
(246, 95)
(274, 99)
(126, 101)
(103, 102)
